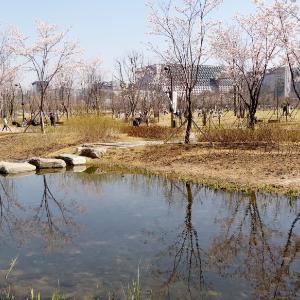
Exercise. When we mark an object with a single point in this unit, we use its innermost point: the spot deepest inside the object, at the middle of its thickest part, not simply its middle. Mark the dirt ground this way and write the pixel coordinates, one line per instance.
(274, 171)
(261, 169)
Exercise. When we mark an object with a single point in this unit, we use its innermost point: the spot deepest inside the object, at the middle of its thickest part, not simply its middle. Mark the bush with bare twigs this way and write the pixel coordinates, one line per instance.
(268, 134)
(154, 132)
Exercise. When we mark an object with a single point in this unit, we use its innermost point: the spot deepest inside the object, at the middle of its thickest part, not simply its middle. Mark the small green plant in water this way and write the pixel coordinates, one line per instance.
(6, 294)
(33, 297)
(37, 296)
(134, 291)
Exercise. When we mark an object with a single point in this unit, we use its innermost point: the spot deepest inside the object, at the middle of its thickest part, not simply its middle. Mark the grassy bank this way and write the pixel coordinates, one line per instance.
(266, 159)
(218, 168)
(74, 131)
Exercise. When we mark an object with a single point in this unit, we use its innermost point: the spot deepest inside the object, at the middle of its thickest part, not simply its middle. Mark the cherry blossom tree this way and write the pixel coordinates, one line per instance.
(8, 68)
(184, 27)
(248, 48)
(49, 55)
(287, 24)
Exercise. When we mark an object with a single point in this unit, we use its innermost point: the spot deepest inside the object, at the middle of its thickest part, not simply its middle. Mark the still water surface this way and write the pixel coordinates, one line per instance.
(91, 232)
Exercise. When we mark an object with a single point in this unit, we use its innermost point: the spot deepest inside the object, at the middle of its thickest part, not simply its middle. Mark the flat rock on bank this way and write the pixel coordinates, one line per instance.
(72, 160)
(47, 163)
(15, 167)
(92, 152)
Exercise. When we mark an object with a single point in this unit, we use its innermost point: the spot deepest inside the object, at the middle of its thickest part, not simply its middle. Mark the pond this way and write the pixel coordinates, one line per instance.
(91, 233)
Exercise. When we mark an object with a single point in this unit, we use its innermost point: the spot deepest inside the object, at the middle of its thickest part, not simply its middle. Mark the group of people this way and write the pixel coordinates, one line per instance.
(26, 122)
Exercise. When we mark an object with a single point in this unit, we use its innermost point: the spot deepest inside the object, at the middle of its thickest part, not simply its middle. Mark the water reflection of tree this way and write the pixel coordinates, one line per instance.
(54, 218)
(9, 209)
(249, 248)
(187, 254)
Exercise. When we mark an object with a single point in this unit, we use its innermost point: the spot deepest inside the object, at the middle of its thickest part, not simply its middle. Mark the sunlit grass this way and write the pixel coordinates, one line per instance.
(82, 129)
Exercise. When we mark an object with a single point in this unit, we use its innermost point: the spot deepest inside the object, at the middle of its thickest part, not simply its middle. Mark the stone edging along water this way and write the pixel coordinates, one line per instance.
(62, 161)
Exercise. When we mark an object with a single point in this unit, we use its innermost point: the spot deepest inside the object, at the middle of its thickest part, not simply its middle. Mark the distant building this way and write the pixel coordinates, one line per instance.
(109, 85)
(210, 78)
(278, 82)
(38, 85)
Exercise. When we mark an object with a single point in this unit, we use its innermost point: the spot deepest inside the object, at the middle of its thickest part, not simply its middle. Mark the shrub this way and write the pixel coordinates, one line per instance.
(262, 134)
(152, 132)
(91, 127)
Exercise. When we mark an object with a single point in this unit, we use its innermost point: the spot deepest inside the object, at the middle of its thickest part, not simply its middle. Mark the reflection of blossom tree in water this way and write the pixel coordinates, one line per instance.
(9, 209)
(251, 249)
(53, 219)
(187, 262)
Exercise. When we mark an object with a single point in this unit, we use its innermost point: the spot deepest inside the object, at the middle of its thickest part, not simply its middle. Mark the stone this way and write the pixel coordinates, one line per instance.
(15, 167)
(47, 163)
(72, 160)
(92, 152)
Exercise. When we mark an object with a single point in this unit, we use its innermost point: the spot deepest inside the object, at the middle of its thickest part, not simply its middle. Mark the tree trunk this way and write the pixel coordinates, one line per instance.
(189, 119)
(235, 101)
(251, 119)
(42, 112)
(204, 117)
(173, 122)
(42, 121)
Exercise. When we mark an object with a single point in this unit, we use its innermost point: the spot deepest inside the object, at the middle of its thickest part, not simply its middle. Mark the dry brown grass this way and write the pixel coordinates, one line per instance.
(153, 132)
(75, 131)
(237, 169)
(269, 134)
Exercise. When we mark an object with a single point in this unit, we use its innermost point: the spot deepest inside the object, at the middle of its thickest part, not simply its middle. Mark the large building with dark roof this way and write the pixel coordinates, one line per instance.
(209, 79)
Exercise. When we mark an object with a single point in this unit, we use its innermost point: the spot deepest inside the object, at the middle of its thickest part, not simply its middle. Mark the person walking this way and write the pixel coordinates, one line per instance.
(5, 124)
(52, 119)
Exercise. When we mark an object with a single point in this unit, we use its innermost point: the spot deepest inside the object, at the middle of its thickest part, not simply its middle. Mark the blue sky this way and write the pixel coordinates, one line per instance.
(105, 28)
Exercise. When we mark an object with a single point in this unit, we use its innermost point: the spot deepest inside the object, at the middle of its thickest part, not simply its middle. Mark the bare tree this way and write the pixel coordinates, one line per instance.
(184, 26)
(131, 77)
